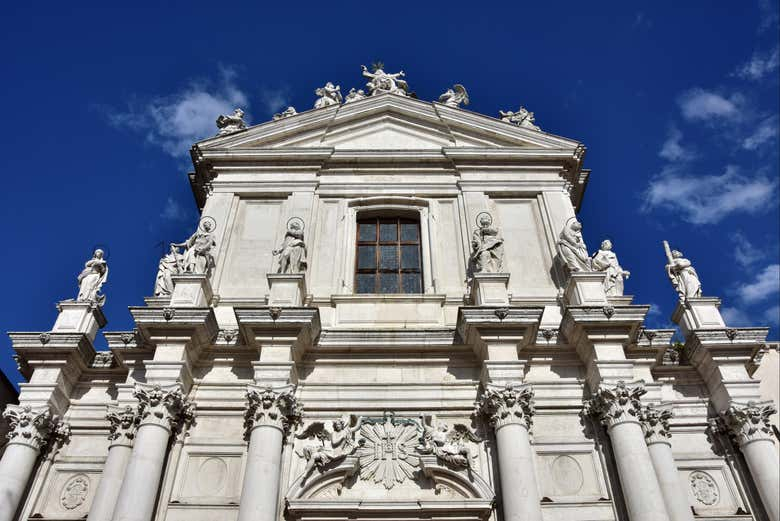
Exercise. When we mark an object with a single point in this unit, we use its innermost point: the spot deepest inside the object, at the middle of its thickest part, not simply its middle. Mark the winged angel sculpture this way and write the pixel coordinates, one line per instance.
(447, 443)
(335, 443)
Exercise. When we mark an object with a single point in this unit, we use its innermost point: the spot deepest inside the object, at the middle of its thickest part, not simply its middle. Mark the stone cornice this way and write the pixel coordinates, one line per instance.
(510, 404)
(477, 322)
(613, 405)
(272, 407)
(299, 325)
(197, 324)
(619, 322)
(731, 343)
(73, 350)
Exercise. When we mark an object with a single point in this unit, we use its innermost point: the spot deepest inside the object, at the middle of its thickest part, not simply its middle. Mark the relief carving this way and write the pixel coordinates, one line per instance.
(512, 403)
(448, 443)
(335, 443)
(272, 407)
(655, 424)
(74, 492)
(388, 455)
(615, 405)
(704, 488)
(123, 424)
(567, 475)
(34, 426)
(163, 406)
(750, 421)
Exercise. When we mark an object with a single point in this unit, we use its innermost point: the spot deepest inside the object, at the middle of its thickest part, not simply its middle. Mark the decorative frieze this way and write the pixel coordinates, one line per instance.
(123, 422)
(749, 422)
(655, 424)
(164, 406)
(619, 404)
(502, 406)
(448, 443)
(272, 407)
(34, 426)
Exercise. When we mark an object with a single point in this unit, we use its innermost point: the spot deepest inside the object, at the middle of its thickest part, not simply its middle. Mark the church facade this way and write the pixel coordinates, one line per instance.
(387, 311)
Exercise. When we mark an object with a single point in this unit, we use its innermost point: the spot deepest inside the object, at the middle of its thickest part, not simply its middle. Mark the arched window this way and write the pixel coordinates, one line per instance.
(388, 257)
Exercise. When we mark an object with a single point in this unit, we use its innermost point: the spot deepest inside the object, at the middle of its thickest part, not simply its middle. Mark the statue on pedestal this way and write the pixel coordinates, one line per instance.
(487, 246)
(286, 113)
(198, 257)
(572, 249)
(381, 82)
(328, 95)
(354, 95)
(92, 278)
(455, 96)
(170, 265)
(521, 118)
(231, 123)
(682, 274)
(605, 260)
(292, 252)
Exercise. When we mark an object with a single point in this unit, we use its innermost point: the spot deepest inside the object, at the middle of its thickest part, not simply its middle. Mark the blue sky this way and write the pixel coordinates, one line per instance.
(677, 103)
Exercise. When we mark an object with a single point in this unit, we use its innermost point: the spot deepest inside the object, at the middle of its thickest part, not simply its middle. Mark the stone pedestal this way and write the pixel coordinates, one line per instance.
(490, 289)
(286, 289)
(585, 288)
(79, 317)
(191, 291)
(698, 313)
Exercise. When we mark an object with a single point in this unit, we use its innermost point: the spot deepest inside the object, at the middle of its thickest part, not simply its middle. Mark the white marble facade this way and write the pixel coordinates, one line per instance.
(272, 387)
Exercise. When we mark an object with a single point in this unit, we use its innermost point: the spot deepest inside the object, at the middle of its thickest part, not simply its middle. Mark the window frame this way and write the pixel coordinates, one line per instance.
(377, 220)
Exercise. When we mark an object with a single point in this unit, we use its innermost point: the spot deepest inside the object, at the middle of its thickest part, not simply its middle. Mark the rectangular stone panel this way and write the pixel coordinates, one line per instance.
(208, 476)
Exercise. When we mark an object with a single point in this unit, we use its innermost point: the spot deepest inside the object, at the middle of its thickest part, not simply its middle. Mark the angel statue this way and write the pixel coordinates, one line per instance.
(605, 260)
(487, 246)
(381, 82)
(231, 123)
(572, 249)
(455, 96)
(447, 443)
(292, 252)
(170, 265)
(341, 439)
(198, 257)
(286, 113)
(328, 95)
(680, 271)
(354, 95)
(92, 278)
(521, 118)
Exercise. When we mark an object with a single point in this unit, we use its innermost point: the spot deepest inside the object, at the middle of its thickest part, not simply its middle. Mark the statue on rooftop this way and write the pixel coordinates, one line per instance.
(381, 82)
(328, 95)
(198, 258)
(354, 95)
(605, 260)
(487, 246)
(286, 113)
(92, 278)
(522, 118)
(572, 249)
(682, 274)
(292, 252)
(231, 123)
(170, 265)
(455, 96)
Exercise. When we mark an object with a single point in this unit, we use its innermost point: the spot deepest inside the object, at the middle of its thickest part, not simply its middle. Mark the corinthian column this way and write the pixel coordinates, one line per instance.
(269, 415)
(655, 425)
(162, 410)
(618, 409)
(31, 429)
(749, 425)
(123, 424)
(509, 409)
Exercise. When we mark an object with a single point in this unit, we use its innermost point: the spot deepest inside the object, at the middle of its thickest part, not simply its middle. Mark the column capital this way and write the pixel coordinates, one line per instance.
(34, 427)
(123, 422)
(510, 404)
(618, 404)
(749, 422)
(164, 406)
(655, 424)
(274, 407)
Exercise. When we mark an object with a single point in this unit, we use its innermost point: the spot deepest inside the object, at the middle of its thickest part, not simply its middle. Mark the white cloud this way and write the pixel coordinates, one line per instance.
(766, 284)
(177, 121)
(765, 133)
(672, 149)
(772, 315)
(702, 105)
(744, 252)
(761, 64)
(735, 317)
(274, 100)
(707, 199)
(173, 211)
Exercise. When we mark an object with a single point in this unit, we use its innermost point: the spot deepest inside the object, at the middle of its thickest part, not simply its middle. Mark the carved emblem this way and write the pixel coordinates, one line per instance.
(549, 334)
(275, 312)
(731, 334)
(168, 313)
(126, 338)
(75, 491)
(704, 488)
(45, 338)
(501, 313)
(389, 455)
(608, 311)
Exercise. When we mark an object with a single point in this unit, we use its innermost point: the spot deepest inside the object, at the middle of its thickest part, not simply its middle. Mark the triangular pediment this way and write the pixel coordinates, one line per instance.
(387, 122)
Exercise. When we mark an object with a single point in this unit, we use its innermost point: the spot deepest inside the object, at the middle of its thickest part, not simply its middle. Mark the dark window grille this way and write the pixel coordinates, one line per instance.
(388, 257)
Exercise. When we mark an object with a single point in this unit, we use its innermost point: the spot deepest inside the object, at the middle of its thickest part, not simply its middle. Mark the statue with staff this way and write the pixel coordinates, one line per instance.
(682, 274)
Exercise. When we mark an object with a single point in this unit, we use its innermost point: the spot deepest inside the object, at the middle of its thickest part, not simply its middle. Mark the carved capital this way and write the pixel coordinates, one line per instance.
(34, 426)
(615, 405)
(749, 422)
(502, 406)
(123, 423)
(272, 407)
(655, 424)
(164, 406)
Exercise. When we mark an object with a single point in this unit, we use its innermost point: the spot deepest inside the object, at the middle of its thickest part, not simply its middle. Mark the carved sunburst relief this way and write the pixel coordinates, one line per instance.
(388, 455)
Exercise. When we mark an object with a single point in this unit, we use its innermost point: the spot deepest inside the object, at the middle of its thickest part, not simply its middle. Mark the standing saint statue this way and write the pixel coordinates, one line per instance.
(605, 260)
(292, 252)
(681, 272)
(381, 82)
(572, 249)
(170, 265)
(198, 258)
(328, 95)
(92, 278)
(487, 246)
